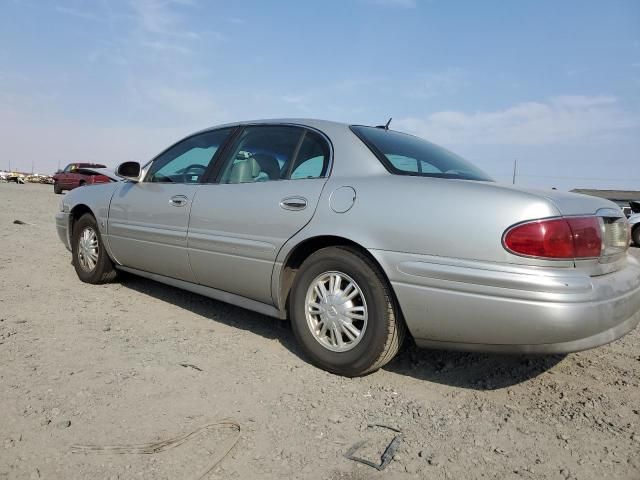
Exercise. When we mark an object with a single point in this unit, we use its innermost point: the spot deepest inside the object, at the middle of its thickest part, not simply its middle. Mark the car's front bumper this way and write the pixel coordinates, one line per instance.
(62, 227)
(463, 305)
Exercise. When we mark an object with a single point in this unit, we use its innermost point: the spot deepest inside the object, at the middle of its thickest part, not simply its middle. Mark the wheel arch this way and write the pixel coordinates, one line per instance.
(74, 215)
(299, 253)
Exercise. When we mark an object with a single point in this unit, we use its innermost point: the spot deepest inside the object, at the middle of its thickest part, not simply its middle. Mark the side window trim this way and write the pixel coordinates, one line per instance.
(327, 165)
(294, 157)
(214, 173)
(212, 161)
(220, 157)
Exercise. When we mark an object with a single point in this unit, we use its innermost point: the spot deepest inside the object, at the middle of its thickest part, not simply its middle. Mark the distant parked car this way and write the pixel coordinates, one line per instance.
(74, 176)
(358, 234)
(16, 178)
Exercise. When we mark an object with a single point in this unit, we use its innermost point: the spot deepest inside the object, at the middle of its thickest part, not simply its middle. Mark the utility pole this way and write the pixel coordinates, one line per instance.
(31, 167)
(515, 169)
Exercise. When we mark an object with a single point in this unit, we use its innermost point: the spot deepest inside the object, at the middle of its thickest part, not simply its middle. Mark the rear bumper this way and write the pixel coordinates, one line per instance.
(462, 305)
(586, 343)
(62, 227)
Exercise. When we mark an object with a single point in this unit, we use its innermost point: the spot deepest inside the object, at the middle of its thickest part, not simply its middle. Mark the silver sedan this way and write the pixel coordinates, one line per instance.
(362, 236)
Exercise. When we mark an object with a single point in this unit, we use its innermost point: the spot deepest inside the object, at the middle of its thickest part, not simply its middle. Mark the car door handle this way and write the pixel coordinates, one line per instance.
(178, 200)
(294, 203)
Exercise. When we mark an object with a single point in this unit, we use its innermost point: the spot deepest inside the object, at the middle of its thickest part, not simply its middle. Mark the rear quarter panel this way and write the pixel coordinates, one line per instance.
(429, 216)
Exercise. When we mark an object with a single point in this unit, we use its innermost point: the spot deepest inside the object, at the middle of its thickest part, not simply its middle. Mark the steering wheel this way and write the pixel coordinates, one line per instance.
(187, 173)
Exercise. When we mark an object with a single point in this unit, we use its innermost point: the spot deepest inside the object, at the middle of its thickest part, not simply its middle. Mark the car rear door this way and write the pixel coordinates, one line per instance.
(264, 192)
(148, 220)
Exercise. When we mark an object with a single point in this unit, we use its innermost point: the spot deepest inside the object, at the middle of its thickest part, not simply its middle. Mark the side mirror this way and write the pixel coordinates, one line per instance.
(129, 170)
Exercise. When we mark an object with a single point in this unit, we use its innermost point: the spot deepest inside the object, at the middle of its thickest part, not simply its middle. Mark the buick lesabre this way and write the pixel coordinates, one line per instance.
(361, 236)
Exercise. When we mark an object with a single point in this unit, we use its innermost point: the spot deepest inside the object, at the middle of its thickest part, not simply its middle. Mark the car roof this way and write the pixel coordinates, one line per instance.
(340, 136)
(307, 122)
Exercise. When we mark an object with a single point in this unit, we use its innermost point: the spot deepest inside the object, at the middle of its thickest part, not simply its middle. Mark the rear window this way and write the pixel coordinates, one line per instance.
(405, 154)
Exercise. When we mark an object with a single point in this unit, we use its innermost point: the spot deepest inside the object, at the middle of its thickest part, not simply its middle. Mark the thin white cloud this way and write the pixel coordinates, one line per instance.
(165, 46)
(76, 13)
(564, 120)
(235, 20)
(446, 82)
(301, 103)
(160, 17)
(295, 99)
(194, 104)
(395, 3)
(154, 15)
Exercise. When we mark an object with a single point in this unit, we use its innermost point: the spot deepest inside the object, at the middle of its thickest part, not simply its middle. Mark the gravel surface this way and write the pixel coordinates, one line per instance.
(114, 364)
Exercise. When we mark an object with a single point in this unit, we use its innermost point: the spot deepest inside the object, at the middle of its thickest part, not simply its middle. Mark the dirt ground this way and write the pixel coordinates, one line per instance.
(82, 364)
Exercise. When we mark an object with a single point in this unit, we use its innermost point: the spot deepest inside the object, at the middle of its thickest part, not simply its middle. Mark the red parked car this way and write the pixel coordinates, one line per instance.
(74, 176)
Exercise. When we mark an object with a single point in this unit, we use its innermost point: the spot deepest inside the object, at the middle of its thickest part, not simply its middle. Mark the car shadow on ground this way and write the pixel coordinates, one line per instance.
(474, 371)
(227, 314)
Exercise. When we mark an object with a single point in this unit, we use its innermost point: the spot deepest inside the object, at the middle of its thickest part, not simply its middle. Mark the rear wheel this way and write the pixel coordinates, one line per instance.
(343, 312)
(56, 188)
(90, 259)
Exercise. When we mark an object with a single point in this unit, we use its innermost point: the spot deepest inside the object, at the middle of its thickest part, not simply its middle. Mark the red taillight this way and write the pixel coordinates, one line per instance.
(587, 236)
(558, 238)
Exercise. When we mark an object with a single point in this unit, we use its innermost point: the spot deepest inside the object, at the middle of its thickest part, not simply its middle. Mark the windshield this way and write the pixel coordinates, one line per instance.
(404, 154)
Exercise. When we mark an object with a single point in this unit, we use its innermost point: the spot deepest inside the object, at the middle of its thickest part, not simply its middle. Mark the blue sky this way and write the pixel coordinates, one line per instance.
(554, 84)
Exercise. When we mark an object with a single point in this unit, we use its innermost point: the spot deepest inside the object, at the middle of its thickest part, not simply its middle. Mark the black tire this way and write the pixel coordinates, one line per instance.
(385, 330)
(635, 235)
(103, 271)
(56, 189)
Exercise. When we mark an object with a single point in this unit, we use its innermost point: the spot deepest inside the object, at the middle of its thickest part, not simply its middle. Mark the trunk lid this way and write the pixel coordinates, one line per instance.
(615, 231)
(573, 203)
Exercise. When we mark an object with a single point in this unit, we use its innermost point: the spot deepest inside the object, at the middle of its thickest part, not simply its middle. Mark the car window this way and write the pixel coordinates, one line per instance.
(70, 167)
(262, 153)
(408, 155)
(409, 164)
(187, 161)
(312, 160)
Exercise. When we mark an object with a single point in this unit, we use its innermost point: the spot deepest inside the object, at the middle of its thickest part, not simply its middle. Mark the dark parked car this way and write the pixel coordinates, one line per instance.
(74, 176)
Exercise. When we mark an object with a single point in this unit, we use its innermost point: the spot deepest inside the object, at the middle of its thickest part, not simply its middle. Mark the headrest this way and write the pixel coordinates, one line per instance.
(268, 164)
(244, 171)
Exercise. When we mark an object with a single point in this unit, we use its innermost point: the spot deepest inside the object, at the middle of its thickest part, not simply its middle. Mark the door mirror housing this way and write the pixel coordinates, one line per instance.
(129, 170)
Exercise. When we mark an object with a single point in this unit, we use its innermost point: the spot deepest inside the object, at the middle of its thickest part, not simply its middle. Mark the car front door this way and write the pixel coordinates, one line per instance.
(148, 220)
(65, 176)
(264, 192)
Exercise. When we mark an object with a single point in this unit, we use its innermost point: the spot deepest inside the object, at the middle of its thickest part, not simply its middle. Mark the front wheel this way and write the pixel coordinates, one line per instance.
(56, 189)
(90, 259)
(343, 312)
(635, 235)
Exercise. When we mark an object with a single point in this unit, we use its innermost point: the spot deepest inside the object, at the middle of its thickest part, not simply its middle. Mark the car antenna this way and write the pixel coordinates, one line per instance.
(386, 126)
